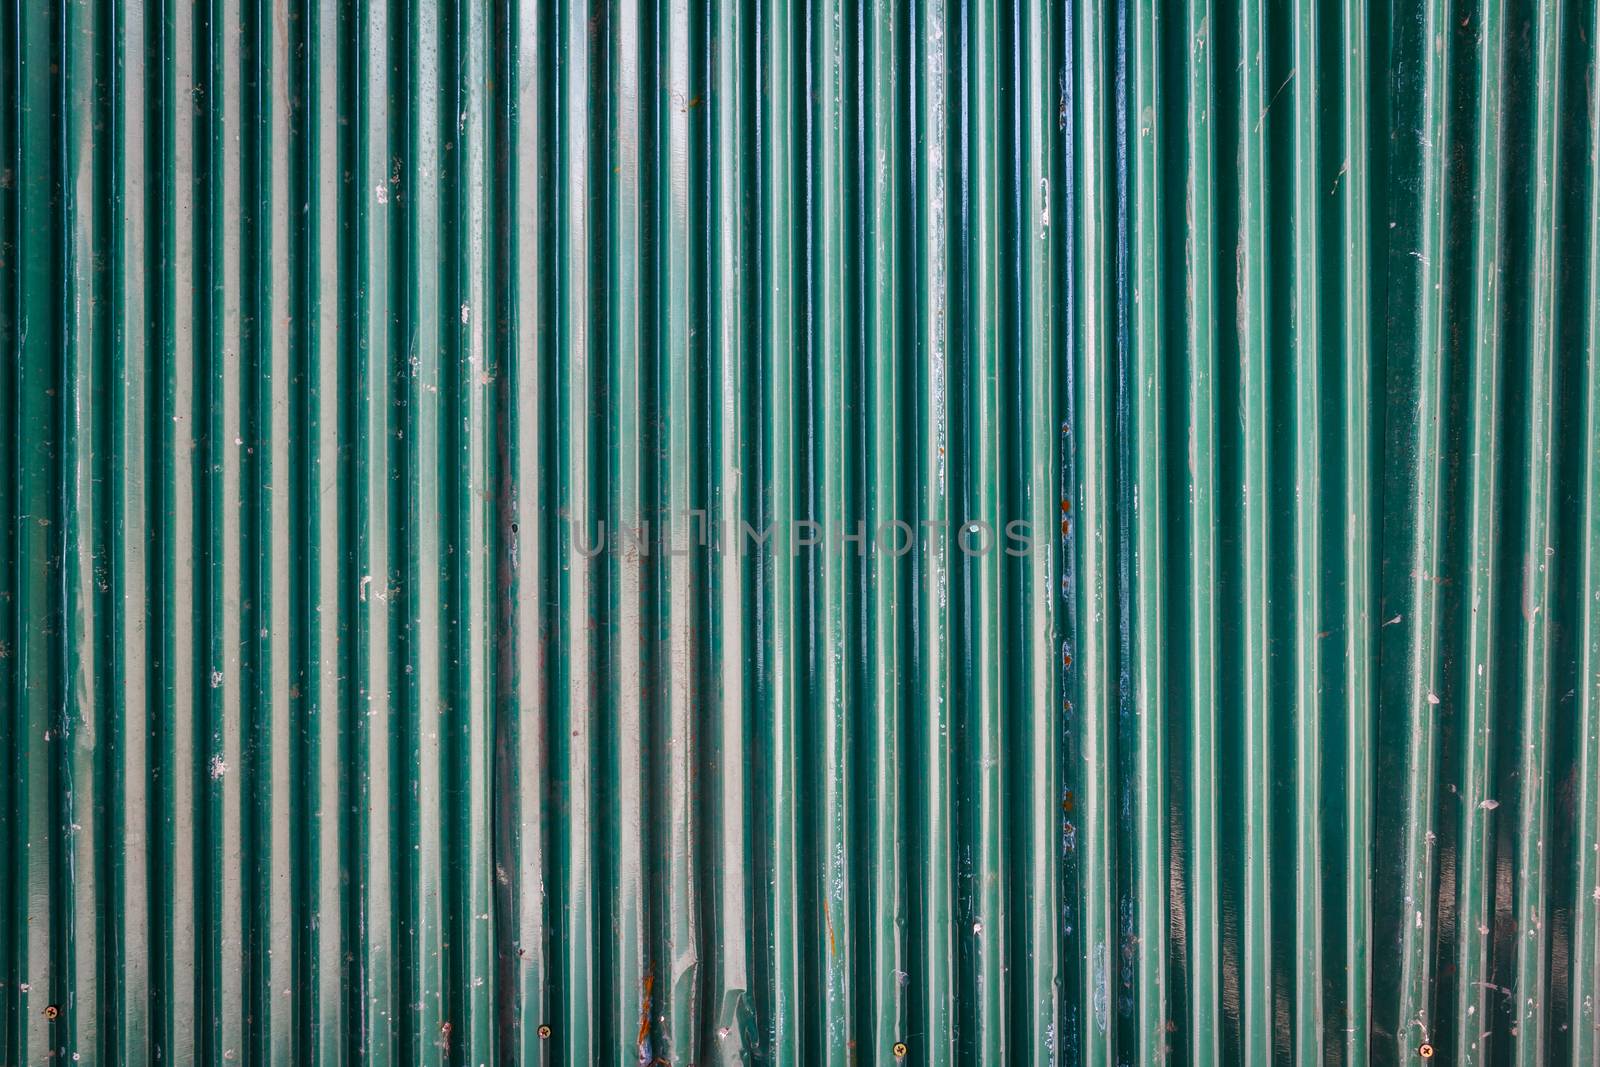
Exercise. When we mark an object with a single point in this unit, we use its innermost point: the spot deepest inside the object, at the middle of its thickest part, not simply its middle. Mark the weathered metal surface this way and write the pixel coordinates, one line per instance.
(334, 333)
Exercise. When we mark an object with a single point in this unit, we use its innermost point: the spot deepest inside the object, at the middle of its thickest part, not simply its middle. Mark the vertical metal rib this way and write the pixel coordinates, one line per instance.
(678, 953)
(13, 734)
(934, 827)
(1585, 995)
(734, 436)
(1254, 504)
(1094, 669)
(228, 557)
(326, 684)
(1145, 504)
(476, 545)
(1532, 830)
(580, 524)
(1203, 917)
(524, 739)
(275, 818)
(1308, 506)
(1036, 719)
(85, 721)
(1419, 613)
(1356, 544)
(1474, 894)
(832, 348)
(175, 831)
(421, 585)
(887, 890)
(984, 600)
(626, 756)
(784, 999)
(374, 715)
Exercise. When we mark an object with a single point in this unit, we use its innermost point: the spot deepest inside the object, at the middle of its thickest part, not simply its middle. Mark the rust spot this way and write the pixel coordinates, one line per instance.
(644, 1010)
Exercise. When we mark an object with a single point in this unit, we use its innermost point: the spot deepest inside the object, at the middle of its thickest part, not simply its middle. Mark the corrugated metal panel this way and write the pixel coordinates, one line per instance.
(335, 332)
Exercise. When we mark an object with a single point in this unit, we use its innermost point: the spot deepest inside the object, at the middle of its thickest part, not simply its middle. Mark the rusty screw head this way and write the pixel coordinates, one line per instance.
(51, 1011)
(1425, 1051)
(900, 1050)
(544, 1031)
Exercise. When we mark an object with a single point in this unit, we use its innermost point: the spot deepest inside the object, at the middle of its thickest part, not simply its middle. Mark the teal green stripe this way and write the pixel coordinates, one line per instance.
(1092, 533)
(380, 992)
(1586, 804)
(679, 936)
(934, 1027)
(38, 548)
(86, 723)
(1532, 1039)
(1419, 614)
(1257, 990)
(425, 561)
(1036, 722)
(579, 1034)
(1203, 918)
(1357, 544)
(1473, 1034)
(473, 982)
(633, 1001)
(984, 698)
(276, 816)
(329, 648)
(833, 320)
(530, 700)
(786, 996)
(1147, 507)
(731, 953)
(232, 557)
(887, 891)
(173, 932)
(1309, 505)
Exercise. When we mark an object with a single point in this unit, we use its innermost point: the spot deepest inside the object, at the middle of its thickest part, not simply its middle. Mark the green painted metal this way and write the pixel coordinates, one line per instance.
(453, 462)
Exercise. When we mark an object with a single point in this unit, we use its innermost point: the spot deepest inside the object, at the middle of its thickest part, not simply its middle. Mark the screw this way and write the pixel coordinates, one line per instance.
(51, 1011)
(1425, 1051)
(544, 1031)
(900, 1050)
